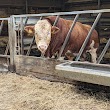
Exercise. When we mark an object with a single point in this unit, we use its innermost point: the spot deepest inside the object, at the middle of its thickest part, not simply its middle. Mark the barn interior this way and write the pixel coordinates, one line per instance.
(17, 7)
(10, 7)
(28, 82)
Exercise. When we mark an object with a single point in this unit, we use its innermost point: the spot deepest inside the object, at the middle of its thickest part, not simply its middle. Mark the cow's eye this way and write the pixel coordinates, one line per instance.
(39, 38)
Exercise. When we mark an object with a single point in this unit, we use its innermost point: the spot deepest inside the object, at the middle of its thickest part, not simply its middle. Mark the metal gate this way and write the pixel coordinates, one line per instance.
(21, 61)
(4, 46)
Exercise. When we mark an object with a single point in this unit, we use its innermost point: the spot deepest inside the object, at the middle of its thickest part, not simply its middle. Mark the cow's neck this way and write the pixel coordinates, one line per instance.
(51, 19)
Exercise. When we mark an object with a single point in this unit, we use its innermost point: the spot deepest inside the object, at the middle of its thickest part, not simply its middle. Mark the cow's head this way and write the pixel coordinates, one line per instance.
(44, 31)
(43, 34)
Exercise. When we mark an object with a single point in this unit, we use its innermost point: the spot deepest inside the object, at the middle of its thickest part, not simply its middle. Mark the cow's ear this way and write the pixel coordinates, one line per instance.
(29, 30)
(55, 30)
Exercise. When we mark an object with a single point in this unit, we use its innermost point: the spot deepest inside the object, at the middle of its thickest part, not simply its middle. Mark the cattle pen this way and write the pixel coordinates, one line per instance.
(17, 56)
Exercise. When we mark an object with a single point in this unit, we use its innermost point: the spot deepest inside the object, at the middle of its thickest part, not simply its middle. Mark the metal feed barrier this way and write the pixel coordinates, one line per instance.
(22, 63)
(5, 55)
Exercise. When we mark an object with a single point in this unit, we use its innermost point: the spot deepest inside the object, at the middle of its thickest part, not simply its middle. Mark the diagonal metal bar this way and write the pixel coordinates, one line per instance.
(103, 52)
(30, 47)
(26, 21)
(68, 35)
(1, 26)
(88, 37)
(56, 20)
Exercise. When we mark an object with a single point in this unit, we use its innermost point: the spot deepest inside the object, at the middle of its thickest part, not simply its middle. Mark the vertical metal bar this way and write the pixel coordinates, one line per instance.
(68, 35)
(12, 44)
(14, 35)
(98, 25)
(31, 44)
(88, 37)
(1, 26)
(103, 52)
(21, 29)
(22, 43)
(18, 40)
(7, 48)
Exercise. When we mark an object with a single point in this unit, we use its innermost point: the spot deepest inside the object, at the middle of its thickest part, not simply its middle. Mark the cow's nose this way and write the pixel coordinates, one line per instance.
(43, 48)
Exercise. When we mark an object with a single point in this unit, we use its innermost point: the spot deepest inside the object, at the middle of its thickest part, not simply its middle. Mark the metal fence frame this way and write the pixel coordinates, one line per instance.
(7, 47)
(1, 27)
(5, 57)
(13, 40)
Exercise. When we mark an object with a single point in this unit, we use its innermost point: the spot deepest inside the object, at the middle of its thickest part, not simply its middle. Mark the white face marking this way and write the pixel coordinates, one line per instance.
(93, 52)
(43, 29)
(42, 35)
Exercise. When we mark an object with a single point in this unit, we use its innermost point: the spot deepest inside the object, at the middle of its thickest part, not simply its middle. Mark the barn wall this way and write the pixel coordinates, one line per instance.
(10, 7)
(72, 5)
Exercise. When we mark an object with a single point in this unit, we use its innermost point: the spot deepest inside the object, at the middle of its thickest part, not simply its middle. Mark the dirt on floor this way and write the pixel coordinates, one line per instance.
(25, 93)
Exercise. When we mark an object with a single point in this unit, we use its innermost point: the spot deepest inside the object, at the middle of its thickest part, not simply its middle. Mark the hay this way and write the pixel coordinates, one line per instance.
(3, 41)
(25, 93)
(103, 40)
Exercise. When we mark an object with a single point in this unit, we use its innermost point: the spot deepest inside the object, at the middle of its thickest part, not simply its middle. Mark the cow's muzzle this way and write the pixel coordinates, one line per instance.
(42, 48)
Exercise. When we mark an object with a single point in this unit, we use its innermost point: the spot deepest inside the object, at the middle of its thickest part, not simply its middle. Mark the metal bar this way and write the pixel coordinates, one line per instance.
(56, 20)
(103, 52)
(4, 18)
(26, 21)
(88, 37)
(98, 25)
(31, 44)
(18, 40)
(1, 26)
(7, 48)
(29, 50)
(22, 44)
(14, 35)
(65, 13)
(68, 35)
(12, 43)
(6, 56)
(22, 33)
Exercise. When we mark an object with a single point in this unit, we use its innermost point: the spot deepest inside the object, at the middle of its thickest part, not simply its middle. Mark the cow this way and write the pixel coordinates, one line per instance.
(88, 56)
(49, 38)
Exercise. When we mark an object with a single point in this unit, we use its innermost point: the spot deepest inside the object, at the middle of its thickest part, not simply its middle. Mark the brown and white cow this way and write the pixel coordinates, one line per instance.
(49, 39)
